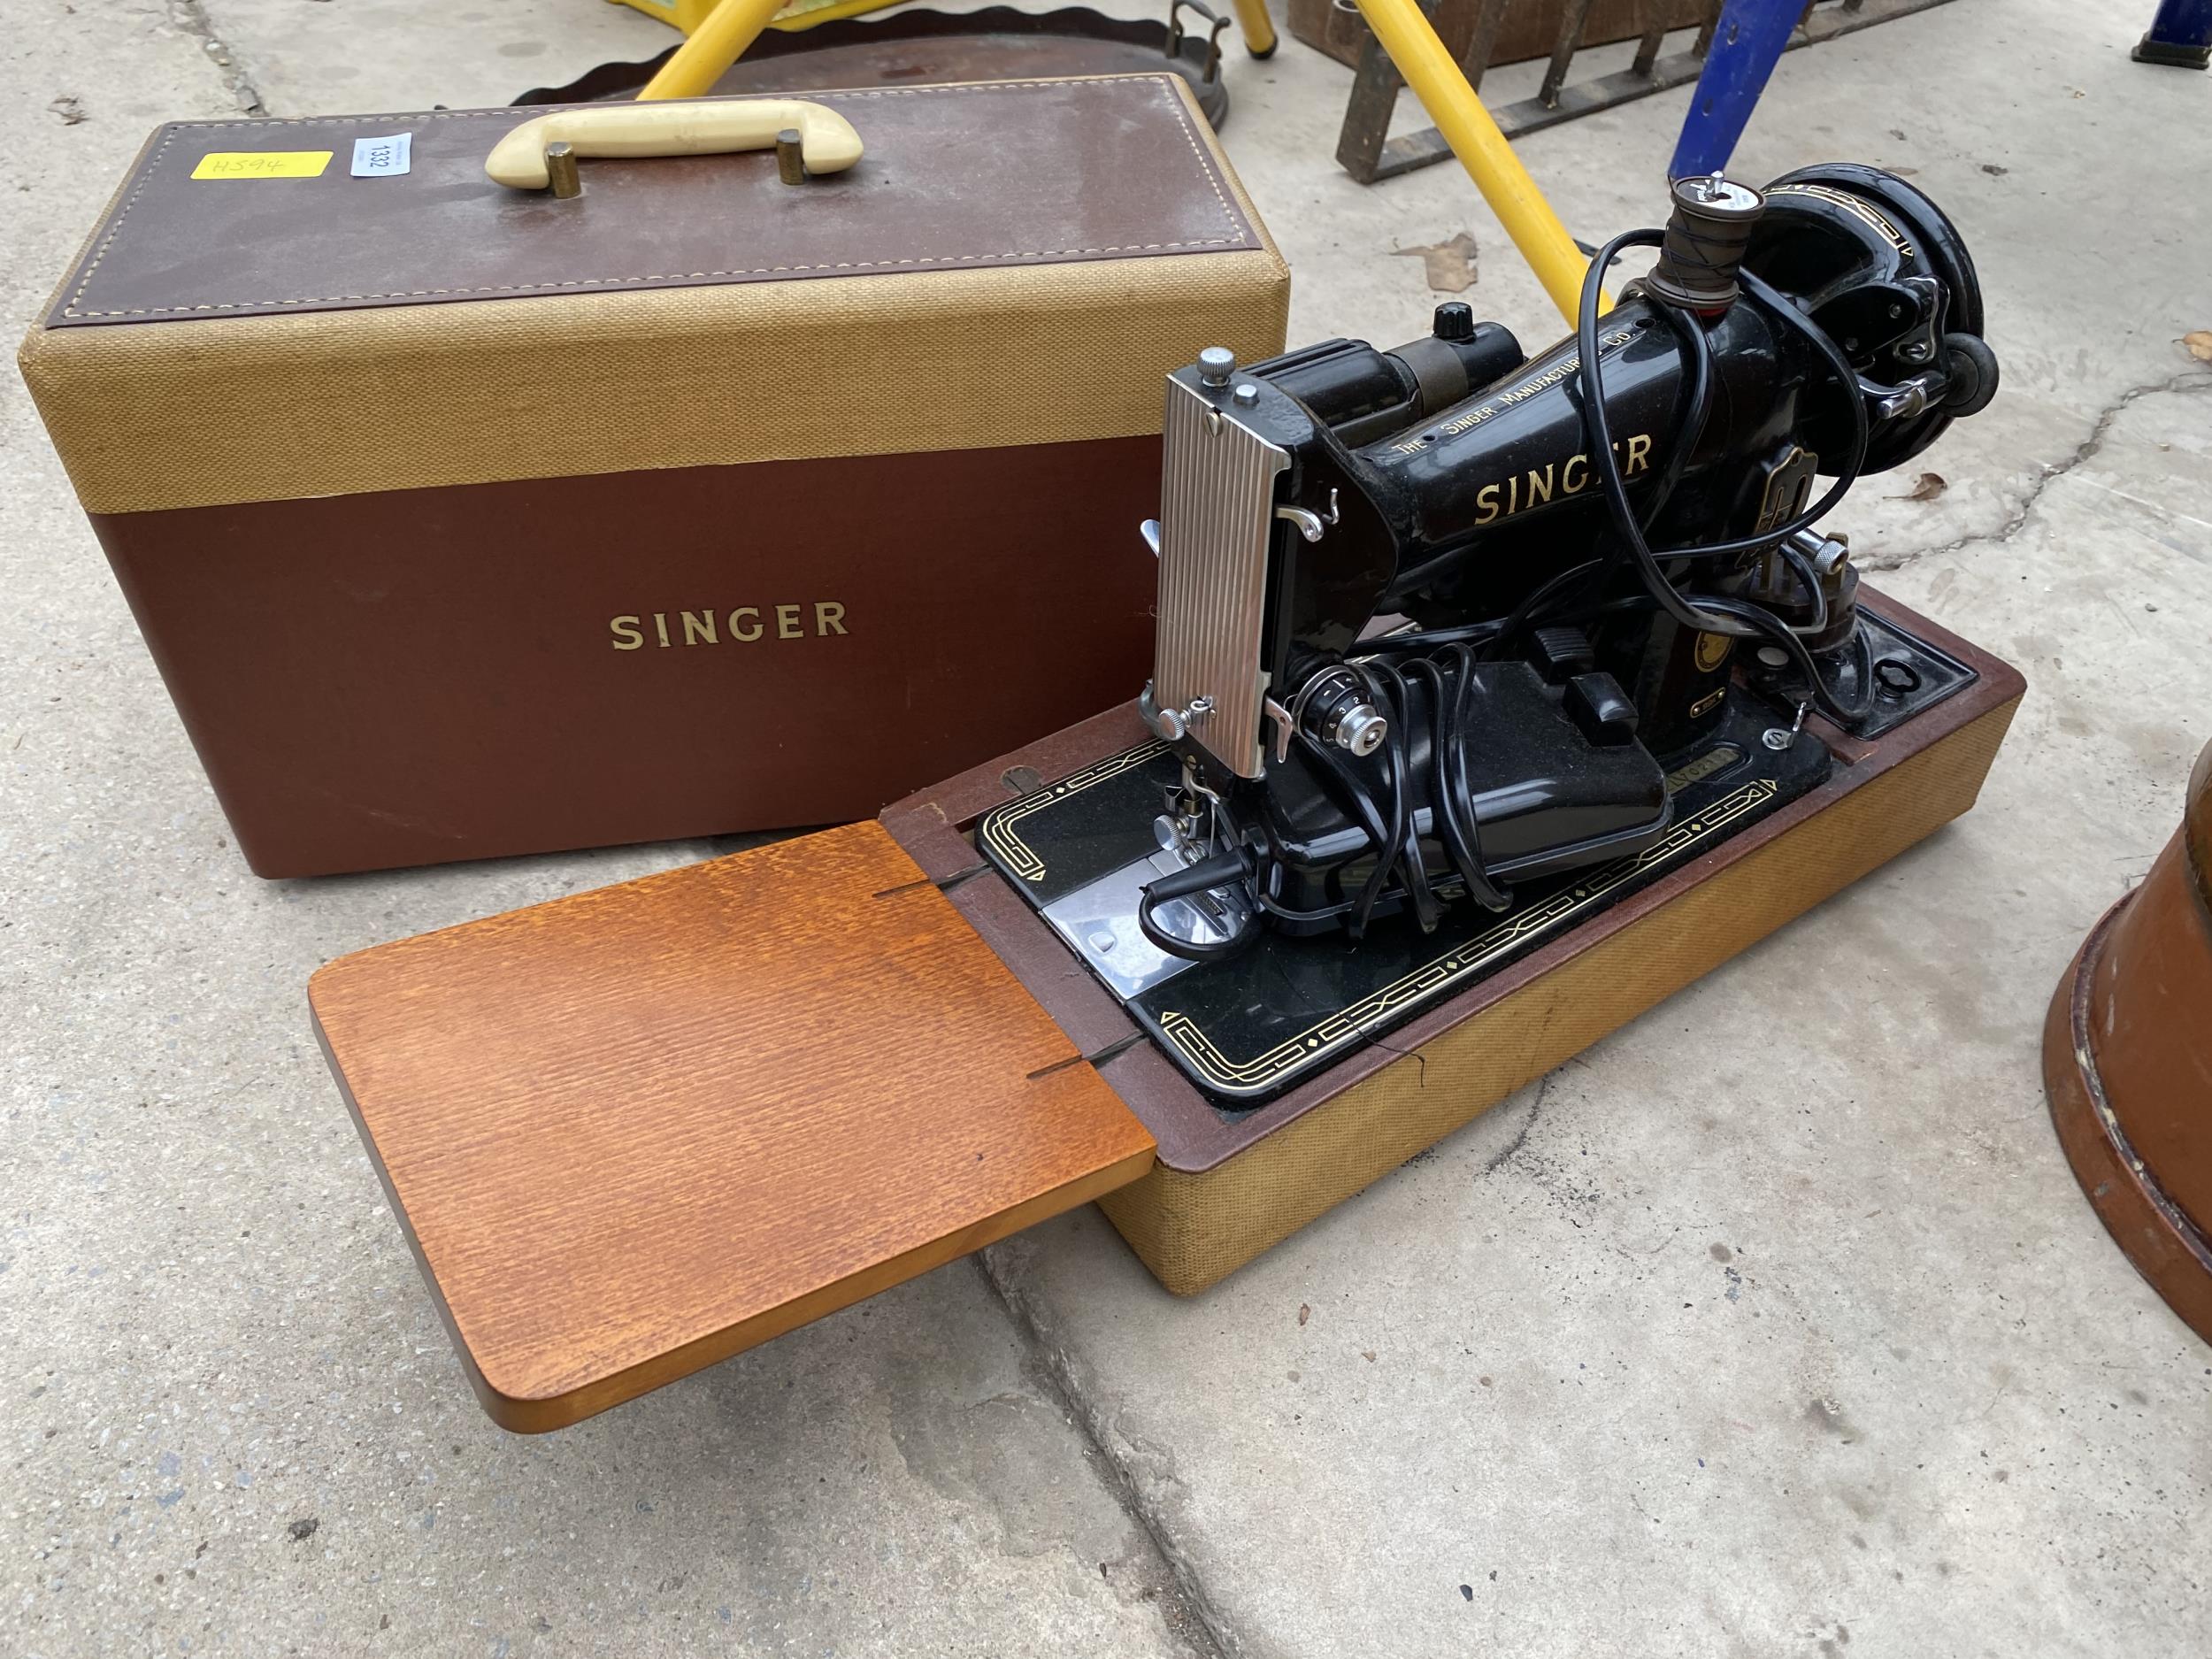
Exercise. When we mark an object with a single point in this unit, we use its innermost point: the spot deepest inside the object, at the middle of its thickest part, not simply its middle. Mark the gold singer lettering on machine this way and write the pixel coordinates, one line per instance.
(1555, 480)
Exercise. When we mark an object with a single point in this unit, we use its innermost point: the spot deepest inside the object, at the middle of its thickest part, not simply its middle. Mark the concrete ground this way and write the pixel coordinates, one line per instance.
(1773, 1324)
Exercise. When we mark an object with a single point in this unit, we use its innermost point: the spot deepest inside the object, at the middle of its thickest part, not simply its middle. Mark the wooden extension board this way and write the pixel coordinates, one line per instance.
(633, 1131)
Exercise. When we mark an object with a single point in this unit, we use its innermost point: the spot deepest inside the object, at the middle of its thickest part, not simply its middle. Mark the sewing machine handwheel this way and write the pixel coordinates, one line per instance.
(1928, 229)
(1925, 242)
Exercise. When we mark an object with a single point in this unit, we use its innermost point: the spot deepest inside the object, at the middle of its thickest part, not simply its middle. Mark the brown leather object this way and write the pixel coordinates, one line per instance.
(2127, 1063)
(633, 1131)
(414, 677)
(407, 479)
(965, 176)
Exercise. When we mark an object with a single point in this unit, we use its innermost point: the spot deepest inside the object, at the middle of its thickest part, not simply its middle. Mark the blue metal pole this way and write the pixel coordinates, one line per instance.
(2180, 35)
(1747, 41)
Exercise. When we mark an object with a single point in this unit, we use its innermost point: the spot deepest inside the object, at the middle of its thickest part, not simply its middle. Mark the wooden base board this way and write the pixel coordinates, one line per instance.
(633, 1131)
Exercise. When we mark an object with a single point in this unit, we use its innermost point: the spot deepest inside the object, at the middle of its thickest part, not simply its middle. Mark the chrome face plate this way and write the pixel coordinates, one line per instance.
(1217, 520)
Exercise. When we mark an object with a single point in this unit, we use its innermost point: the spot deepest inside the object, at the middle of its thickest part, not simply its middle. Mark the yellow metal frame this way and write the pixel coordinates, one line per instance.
(720, 40)
(1256, 27)
(1259, 28)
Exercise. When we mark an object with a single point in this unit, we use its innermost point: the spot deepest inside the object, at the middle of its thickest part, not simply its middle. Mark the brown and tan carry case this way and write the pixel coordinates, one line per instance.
(632, 1132)
(464, 519)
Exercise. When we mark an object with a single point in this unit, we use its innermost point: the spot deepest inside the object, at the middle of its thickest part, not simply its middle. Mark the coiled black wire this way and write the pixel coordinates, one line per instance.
(1425, 704)
(1221, 870)
(1714, 613)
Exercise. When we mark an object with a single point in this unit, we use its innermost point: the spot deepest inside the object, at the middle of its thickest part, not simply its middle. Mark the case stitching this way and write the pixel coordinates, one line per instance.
(1238, 239)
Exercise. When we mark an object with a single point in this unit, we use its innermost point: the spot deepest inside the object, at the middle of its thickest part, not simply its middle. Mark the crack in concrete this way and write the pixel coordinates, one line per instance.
(1194, 1618)
(2187, 380)
(1498, 1160)
(190, 18)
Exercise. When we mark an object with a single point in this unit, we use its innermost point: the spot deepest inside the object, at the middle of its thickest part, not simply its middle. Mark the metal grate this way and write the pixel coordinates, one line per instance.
(1470, 32)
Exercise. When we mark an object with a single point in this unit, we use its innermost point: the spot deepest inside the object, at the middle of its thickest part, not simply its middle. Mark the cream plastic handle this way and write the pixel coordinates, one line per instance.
(707, 128)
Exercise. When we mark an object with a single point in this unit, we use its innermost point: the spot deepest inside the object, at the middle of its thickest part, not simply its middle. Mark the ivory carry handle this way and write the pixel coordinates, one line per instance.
(707, 128)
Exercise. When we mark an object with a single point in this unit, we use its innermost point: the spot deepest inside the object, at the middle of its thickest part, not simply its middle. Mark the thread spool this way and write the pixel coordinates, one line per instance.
(1706, 237)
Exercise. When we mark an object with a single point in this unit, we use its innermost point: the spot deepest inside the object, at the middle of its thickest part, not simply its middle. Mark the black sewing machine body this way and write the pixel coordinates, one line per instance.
(1457, 648)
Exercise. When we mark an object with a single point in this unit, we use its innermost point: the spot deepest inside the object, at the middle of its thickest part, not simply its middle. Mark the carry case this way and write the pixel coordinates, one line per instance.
(464, 519)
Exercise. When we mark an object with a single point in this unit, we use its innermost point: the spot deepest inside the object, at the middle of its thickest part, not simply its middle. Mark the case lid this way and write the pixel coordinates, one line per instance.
(1008, 262)
(260, 217)
(633, 1131)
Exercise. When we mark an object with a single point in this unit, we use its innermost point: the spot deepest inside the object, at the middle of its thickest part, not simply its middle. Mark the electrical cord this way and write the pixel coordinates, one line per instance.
(1426, 709)
(1494, 632)
(1420, 639)
(1689, 421)
(1452, 792)
(1712, 613)
(1426, 706)
(1220, 871)
(1691, 336)
(1802, 569)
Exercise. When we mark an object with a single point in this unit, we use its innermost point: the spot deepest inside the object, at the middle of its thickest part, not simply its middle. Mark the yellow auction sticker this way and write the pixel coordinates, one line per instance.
(262, 164)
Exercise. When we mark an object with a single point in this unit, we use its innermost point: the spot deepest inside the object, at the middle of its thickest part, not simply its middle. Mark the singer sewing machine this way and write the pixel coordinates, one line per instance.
(1495, 699)
(1457, 648)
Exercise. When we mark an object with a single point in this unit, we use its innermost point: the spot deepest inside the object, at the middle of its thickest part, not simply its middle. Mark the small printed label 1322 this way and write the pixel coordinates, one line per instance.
(382, 158)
